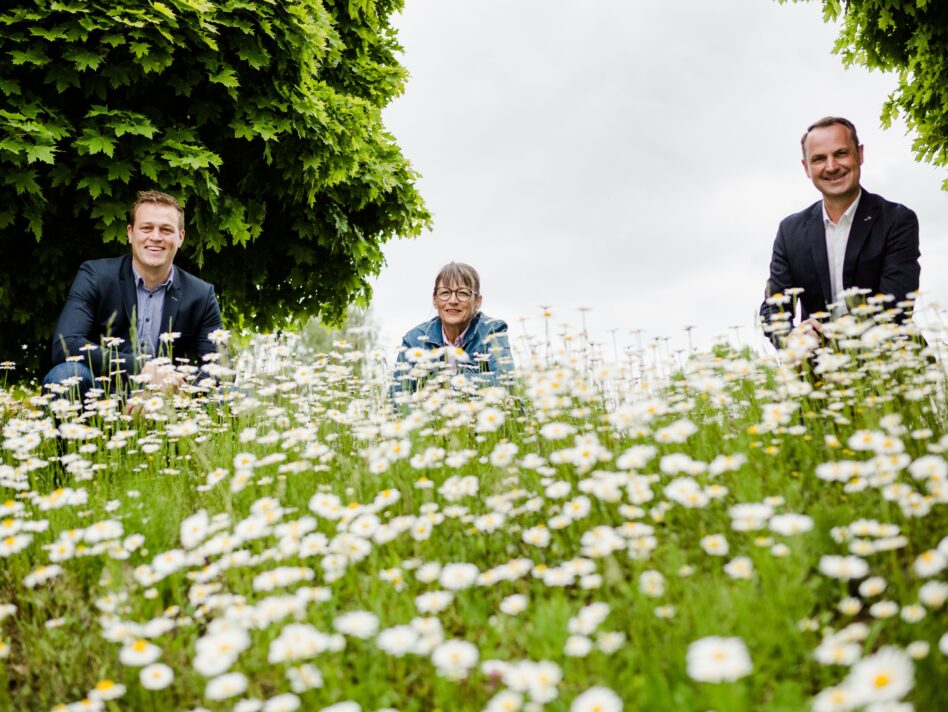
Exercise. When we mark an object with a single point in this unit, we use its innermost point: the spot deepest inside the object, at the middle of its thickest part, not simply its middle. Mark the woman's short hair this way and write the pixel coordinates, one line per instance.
(458, 273)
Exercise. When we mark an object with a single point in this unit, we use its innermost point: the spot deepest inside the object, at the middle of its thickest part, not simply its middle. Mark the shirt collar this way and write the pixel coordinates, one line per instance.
(458, 342)
(845, 217)
(140, 281)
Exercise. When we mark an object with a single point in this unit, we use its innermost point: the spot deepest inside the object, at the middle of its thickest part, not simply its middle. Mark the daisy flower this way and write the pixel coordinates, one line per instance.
(156, 676)
(139, 653)
(886, 676)
(597, 699)
(716, 659)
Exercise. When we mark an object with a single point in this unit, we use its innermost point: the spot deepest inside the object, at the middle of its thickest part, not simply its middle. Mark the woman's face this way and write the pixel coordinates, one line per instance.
(454, 311)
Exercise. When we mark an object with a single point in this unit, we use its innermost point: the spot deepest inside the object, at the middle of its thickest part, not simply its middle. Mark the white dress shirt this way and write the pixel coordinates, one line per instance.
(837, 235)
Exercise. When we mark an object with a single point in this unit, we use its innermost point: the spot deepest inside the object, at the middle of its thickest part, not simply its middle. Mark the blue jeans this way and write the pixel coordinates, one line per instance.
(71, 369)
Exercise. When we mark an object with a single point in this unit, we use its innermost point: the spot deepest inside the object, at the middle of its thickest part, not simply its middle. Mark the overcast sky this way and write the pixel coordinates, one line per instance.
(627, 156)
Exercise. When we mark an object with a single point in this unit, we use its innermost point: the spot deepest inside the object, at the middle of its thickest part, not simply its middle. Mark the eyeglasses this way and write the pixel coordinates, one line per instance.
(463, 294)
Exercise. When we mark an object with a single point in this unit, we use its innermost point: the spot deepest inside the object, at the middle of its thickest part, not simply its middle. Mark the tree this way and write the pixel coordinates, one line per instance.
(909, 37)
(262, 116)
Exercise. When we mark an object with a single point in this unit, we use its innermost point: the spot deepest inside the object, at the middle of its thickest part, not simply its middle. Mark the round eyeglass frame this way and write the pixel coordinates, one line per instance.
(443, 294)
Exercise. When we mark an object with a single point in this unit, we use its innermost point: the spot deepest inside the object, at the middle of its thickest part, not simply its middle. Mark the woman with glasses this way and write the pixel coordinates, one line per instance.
(460, 339)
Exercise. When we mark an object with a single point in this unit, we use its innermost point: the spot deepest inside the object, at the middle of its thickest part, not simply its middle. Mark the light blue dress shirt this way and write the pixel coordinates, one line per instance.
(151, 304)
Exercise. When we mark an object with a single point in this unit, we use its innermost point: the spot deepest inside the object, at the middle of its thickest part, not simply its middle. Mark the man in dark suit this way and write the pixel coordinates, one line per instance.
(851, 238)
(122, 311)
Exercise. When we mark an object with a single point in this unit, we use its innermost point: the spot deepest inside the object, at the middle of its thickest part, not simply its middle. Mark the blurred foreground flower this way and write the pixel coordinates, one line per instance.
(716, 659)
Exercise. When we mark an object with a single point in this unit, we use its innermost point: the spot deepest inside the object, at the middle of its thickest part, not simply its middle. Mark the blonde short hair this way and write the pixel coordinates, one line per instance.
(155, 197)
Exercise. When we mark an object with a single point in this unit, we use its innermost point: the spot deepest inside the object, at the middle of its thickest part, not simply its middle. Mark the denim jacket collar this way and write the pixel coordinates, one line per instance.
(433, 335)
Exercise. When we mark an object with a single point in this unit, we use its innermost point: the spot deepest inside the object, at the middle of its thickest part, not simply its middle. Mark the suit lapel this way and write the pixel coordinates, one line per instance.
(816, 236)
(863, 221)
(129, 294)
(169, 313)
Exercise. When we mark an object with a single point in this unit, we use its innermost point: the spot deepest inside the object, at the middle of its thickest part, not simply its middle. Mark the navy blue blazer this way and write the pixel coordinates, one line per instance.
(881, 254)
(101, 302)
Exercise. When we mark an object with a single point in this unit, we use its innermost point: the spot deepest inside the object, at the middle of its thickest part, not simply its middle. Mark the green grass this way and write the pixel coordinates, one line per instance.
(781, 613)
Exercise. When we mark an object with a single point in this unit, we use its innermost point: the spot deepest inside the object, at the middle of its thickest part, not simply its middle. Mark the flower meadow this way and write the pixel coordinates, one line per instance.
(738, 532)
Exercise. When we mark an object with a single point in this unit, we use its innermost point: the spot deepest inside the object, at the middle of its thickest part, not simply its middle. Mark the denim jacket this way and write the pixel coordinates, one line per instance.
(484, 335)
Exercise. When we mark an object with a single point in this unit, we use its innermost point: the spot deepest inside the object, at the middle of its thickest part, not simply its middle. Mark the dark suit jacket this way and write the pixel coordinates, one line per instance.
(881, 254)
(101, 303)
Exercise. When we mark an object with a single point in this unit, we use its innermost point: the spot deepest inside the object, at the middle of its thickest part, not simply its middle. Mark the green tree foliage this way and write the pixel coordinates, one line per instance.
(262, 116)
(909, 37)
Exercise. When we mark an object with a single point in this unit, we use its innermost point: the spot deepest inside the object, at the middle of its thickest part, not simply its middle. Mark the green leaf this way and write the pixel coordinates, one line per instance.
(139, 49)
(24, 183)
(236, 225)
(63, 77)
(141, 127)
(254, 55)
(70, 7)
(40, 152)
(120, 170)
(13, 145)
(34, 55)
(155, 62)
(84, 59)
(93, 143)
(227, 77)
(163, 9)
(110, 211)
(95, 185)
(113, 39)
(149, 168)
(114, 232)
(34, 219)
(266, 130)
(48, 34)
(9, 86)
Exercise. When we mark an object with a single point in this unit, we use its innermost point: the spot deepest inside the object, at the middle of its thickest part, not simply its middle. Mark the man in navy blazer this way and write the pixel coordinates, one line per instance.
(851, 238)
(122, 311)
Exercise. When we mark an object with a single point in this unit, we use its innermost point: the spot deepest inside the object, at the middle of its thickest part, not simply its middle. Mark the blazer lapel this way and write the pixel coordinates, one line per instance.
(127, 285)
(863, 221)
(169, 313)
(816, 236)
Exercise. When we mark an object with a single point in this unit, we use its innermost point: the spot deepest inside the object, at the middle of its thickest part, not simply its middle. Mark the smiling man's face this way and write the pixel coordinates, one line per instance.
(155, 238)
(833, 162)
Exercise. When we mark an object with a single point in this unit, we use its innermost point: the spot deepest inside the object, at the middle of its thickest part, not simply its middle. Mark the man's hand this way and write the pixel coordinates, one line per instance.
(156, 378)
(165, 377)
(811, 326)
(133, 407)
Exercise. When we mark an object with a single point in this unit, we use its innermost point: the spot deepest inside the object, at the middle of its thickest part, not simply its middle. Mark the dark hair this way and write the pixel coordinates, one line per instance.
(829, 121)
(155, 197)
(458, 273)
